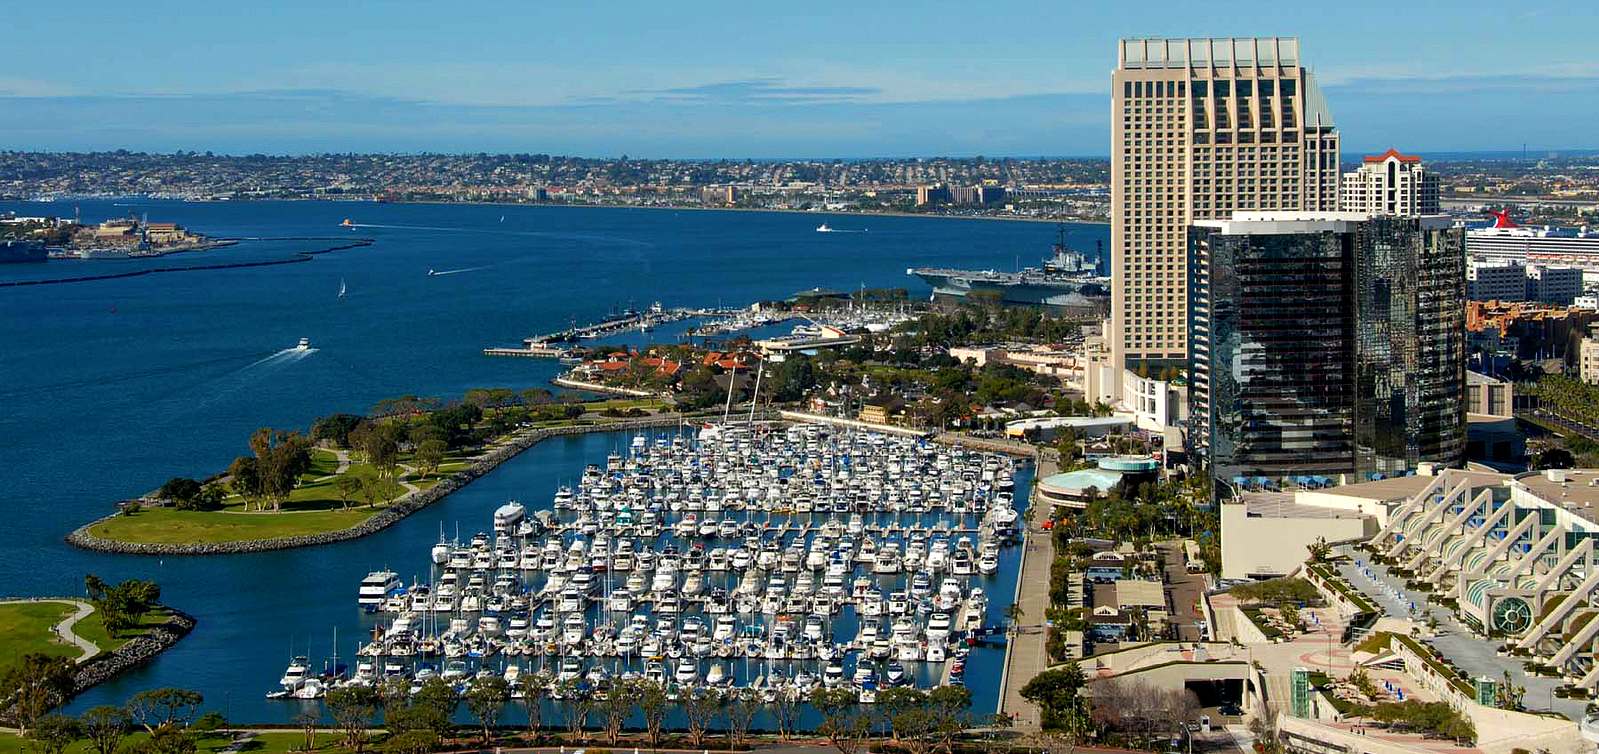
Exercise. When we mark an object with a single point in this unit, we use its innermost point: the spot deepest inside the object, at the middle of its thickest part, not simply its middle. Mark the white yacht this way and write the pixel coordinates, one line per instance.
(378, 587)
(295, 674)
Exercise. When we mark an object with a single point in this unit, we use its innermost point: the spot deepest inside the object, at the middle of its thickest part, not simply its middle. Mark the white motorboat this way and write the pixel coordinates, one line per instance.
(295, 674)
(378, 587)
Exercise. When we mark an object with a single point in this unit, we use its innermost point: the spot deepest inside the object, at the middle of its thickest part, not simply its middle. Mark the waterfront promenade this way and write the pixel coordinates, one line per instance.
(1025, 653)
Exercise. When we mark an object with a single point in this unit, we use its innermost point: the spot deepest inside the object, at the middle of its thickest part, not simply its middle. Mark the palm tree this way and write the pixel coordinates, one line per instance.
(1013, 617)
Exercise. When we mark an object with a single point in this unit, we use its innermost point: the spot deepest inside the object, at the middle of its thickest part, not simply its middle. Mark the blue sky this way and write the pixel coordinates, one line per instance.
(751, 79)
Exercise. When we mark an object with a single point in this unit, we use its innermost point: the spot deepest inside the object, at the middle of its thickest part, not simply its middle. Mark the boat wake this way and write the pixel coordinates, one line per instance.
(279, 356)
(436, 273)
(285, 356)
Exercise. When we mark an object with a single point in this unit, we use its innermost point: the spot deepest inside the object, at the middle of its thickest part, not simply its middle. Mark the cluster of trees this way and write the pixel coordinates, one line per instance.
(187, 494)
(169, 718)
(270, 474)
(1062, 706)
(1143, 510)
(32, 686)
(1138, 714)
(1131, 713)
(1566, 397)
(1435, 718)
(122, 605)
(971, 324)
(39, 684)
(1278, 593)
(920, 722)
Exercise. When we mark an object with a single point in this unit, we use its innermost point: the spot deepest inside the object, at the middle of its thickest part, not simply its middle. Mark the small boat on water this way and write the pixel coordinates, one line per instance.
(377, 587)
(823, 228)
(303, 345)
(295, 674)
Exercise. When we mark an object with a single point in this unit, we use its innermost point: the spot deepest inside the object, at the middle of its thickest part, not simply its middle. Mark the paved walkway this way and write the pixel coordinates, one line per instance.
(63, 630)
(1459, 643)
(1025, 654)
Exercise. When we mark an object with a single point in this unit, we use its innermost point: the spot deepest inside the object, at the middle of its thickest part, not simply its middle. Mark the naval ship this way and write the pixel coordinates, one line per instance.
(1067, 279)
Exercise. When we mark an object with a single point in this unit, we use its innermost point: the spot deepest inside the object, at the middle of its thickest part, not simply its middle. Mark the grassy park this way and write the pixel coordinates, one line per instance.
(28, 628)
(25, 628)
(345, 470)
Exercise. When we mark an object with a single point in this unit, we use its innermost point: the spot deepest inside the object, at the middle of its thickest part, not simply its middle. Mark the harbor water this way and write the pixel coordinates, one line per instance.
(112, 386)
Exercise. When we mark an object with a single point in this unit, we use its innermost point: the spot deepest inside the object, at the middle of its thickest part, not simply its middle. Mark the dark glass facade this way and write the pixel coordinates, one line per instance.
(1271, 384)
(1410, 344)
(1326, 347)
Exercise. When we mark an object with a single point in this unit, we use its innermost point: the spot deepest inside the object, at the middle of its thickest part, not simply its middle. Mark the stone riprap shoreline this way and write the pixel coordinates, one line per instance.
(138, 651)
(103, 666)
(404, 506)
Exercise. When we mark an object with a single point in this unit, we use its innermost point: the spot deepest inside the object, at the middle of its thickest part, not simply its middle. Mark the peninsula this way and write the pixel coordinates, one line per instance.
(350, 475)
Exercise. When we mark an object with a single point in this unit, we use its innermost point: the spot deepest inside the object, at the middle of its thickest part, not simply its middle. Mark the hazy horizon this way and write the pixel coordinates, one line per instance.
(722, 80)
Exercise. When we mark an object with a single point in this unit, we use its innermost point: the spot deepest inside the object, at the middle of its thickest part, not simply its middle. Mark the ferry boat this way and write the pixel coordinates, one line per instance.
(378, 587)
(1067, 279)
(507, 516)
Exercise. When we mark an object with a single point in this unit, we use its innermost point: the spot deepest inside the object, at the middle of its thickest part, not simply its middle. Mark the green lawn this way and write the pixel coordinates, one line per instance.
(318, 490)
(281, 743)
(25, 628)
(623, 404)
(168, 526)
(93, 629)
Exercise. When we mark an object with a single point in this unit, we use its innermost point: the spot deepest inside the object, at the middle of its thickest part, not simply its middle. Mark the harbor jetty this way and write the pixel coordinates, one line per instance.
(558, 345)
(771, 559)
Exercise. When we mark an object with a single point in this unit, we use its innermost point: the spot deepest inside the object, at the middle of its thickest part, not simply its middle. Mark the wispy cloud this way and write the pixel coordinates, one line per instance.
(1576, 79)
(763, 90)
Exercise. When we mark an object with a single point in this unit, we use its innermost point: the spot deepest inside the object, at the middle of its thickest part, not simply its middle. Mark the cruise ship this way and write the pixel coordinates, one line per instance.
(1505, 242)
(1067, 279)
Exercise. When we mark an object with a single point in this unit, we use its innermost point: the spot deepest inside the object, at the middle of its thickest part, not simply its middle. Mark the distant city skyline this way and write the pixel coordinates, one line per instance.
(725, 80)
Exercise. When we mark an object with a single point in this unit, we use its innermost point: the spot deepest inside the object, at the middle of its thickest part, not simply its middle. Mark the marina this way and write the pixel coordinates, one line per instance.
(778, 558)
(393, 334)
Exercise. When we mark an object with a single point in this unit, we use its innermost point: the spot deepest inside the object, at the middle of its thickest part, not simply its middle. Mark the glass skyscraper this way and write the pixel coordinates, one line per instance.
(1410, 343)
(1325, 343)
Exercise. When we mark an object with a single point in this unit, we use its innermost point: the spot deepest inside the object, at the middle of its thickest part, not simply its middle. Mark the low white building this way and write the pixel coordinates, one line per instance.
(1087, 427)
(1156, 405)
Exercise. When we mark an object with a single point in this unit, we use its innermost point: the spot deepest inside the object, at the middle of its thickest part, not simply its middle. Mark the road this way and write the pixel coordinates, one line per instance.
(1185, 589)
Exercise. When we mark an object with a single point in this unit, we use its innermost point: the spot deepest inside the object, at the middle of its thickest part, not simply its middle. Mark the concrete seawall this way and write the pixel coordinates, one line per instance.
(399, 509)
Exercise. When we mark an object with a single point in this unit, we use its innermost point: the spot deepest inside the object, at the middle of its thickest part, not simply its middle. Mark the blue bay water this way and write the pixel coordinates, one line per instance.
(107, 388)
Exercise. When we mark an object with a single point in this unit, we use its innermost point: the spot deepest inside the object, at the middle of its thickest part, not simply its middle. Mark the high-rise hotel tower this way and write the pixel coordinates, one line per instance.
(1202, 128)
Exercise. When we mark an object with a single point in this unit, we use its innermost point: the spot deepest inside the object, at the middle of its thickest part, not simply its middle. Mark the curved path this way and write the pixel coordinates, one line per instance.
(63, 630)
